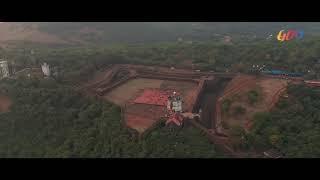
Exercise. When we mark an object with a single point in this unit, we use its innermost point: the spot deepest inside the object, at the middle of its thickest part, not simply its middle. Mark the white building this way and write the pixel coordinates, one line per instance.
(4, 69)
(177, 103)
(45, 69)
(174, 103)
(169, 104)
(177, 106)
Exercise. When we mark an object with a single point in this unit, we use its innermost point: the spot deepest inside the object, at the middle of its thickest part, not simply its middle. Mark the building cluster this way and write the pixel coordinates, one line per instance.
(7, 70)
(175, 102)
(174, 107)
(46, 69)
(4, 69)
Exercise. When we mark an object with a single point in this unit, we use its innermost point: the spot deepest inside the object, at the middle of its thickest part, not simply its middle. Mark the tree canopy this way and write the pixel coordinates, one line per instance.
(293, 126)
(48, 119)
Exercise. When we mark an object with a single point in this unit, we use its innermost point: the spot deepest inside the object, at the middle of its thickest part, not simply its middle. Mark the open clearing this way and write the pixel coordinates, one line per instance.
(129, 90)
(122, 94)
(142, 116)
(5, 103)
(269, 91)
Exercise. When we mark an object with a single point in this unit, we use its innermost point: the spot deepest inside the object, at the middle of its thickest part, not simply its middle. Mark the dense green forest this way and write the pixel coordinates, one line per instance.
(77, 63)
(293, 127)
(49, 119)
(135, 32)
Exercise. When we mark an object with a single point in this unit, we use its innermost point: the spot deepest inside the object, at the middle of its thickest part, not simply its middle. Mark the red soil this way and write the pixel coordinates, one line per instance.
(5, 103)
(142, 116)
(270, 89)
(153, 97)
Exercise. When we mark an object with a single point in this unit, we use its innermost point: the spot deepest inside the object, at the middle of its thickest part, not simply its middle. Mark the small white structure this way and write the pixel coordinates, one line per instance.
(4, 69)
(174, 103)
(269, 37)
(45, 69)
(177, 106)
(169, 104)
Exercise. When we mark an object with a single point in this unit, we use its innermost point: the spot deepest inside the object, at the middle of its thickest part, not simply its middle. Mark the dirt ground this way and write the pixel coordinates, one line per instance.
(239, 83)
(270, 88)
(5, 103)
(269, 91)
(130, 89)
(142, 116)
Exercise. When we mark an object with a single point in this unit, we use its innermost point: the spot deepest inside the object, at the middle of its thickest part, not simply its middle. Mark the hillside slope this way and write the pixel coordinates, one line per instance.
(26, 32)
(138, 32)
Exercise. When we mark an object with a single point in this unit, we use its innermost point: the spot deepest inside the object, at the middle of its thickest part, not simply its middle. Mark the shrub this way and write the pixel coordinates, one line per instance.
(239, 110)
(226, 105)
(253, 97)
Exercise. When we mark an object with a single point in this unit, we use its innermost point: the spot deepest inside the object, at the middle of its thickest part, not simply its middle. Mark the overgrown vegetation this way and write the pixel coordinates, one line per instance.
(239, 110)
(226, 105)
(253, 97)
(293, 127)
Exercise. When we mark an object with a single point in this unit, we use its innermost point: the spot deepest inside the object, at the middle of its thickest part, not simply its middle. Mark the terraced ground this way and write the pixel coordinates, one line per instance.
(269, 90)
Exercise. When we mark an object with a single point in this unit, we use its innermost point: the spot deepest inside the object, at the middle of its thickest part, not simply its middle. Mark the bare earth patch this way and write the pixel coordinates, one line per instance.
(269, 91)
(5, 103)
(142, 116)
(127, 91)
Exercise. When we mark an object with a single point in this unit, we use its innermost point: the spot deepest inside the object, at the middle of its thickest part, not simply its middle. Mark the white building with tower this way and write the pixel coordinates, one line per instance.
(4, 69)
(45, 69)
(175, 103)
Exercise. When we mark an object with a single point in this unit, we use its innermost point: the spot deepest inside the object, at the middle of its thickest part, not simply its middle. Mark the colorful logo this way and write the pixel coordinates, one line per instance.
(289, 35)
